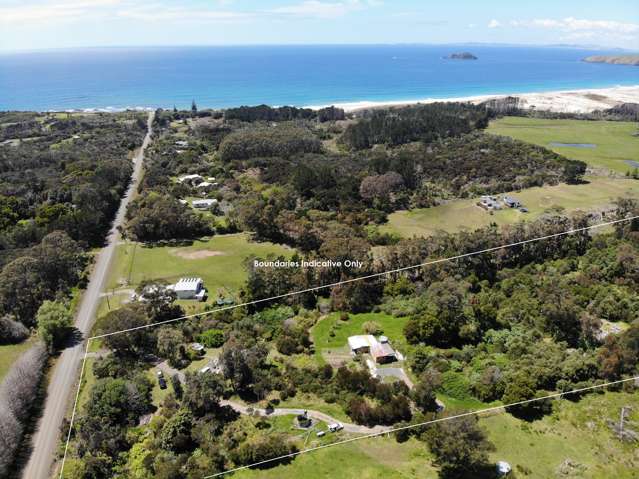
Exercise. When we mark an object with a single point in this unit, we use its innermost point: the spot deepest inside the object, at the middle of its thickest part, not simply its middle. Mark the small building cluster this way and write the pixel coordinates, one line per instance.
(380, 349)
(492, 203)
(189, 288)
(198, 181)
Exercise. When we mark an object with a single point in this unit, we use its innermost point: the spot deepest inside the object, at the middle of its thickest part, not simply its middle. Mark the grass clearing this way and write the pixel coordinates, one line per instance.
(219, 261)
(615, 140)
(458, 215)
(366, 459)
(331, 333)
(575, 439)
(9, 353)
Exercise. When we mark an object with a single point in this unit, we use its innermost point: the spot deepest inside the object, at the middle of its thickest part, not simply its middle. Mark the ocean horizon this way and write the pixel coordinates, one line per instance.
(221, 77)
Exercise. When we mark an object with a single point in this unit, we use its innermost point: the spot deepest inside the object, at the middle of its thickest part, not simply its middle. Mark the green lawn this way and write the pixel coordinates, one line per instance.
(575, 431)
(393, 328)
(458, 215)
(219, 261)
(614, 140)
(365, 459)
(9, 353)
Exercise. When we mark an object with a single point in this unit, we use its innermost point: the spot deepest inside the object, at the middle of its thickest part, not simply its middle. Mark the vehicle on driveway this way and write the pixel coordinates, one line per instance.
(335, 427)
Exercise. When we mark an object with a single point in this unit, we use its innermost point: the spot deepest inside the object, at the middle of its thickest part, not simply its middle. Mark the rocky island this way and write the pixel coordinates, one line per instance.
(461, 56)
(614, 59)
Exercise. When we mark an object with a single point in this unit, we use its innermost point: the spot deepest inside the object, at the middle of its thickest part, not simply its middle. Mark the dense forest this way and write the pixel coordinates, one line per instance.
(61, 179)
(295, 180)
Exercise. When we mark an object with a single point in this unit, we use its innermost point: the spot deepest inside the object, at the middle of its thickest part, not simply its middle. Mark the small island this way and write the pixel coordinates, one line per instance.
(461, 56)
(614, 59)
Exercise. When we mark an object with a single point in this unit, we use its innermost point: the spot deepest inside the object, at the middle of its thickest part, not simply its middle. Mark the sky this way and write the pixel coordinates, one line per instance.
(43, 24)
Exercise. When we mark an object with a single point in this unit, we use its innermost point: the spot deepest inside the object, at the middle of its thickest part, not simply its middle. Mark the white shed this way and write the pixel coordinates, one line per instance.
(190, 288)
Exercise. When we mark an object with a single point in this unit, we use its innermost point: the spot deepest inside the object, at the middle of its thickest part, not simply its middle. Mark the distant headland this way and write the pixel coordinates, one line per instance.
(461, 56)
(614, 59)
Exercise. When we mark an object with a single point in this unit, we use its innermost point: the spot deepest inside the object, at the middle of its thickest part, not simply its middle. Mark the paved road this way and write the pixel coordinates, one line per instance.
(66, 371)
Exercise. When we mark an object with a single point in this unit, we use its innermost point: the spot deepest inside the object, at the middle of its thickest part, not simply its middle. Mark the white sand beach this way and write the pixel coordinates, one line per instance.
(569, 101)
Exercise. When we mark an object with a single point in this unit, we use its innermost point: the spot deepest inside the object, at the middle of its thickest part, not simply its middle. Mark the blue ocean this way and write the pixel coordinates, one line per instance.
(117, 78)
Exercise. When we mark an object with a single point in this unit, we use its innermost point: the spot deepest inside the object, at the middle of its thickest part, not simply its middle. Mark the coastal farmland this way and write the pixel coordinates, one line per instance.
(456, 215)
(219, 261)
(615, 142)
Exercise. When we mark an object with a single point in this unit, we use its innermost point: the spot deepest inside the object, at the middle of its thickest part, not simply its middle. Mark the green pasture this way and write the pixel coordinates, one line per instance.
(219, 261)
(456, 215)
(616, 141)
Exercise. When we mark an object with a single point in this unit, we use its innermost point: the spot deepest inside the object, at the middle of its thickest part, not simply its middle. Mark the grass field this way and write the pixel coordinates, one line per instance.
(577, 432)
(614, 140)
(573, 442)
(9, 353)
(218, 261)
(367, 459)
(393, 328)
(458, 215)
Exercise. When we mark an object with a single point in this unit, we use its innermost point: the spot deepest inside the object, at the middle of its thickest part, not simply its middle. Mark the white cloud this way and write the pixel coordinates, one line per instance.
(321, 9)
(157, 12)
(571, 24)
(47, 11)
(494, 24)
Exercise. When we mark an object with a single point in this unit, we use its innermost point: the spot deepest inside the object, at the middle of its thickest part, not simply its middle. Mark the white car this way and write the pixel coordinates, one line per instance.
(335, 427)
(321, 433)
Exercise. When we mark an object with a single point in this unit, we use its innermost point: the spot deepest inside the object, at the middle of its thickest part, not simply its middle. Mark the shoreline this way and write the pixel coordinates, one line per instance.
(583, 100)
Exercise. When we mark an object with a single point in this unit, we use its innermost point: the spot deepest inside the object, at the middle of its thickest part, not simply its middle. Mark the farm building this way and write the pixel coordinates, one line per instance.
(189, 288)
(489, 203)
(511, 202)
(383, 353)
(361, 344)
(381, 349)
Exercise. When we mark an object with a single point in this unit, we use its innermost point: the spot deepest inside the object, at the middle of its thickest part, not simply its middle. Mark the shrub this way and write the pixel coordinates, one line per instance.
(212, 338)
(11, 331)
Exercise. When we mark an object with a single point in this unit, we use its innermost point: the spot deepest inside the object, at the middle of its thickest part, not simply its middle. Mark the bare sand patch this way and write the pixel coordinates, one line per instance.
(200, 254)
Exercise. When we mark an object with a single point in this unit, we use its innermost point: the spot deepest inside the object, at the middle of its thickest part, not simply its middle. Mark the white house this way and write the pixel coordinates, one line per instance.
(189, 288)
(206, 186)
(362, 343)
(203, 204)
(193, 179)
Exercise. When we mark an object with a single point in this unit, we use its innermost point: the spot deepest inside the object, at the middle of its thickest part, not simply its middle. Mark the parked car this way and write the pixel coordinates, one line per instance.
(162, 383)
(523, 210)
(335, 427)
(160, 374)
(321, 433)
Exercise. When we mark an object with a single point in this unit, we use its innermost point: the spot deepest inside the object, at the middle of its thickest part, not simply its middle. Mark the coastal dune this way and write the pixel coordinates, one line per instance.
(569, 101)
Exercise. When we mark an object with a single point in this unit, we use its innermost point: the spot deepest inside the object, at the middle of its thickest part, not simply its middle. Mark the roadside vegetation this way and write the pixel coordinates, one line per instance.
(61, 178)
